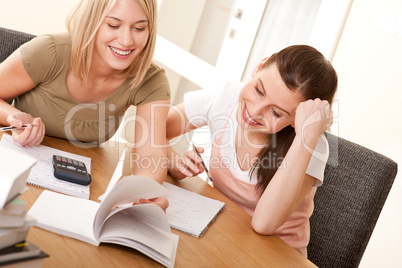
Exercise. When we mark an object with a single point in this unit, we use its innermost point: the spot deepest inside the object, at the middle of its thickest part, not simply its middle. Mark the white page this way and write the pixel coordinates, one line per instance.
(42, 172)
(142, 218)
(129, 189)
(190, 212)
(65, 215)
(118, 172)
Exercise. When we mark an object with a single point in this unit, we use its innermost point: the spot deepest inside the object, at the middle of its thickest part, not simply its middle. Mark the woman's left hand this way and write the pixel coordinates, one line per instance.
(313, 117)
(160, 201)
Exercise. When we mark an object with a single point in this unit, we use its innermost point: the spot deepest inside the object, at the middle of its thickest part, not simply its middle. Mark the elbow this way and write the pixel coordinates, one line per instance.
(263, 228)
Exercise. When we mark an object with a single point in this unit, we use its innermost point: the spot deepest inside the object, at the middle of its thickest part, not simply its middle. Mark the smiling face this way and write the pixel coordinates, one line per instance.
(266, 104)
(122, 36)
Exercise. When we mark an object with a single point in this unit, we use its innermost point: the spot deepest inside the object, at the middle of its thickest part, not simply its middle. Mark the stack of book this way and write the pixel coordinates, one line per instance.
(15, 251)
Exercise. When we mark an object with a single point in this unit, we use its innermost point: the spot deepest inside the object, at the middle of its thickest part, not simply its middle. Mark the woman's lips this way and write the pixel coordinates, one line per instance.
(247, 118)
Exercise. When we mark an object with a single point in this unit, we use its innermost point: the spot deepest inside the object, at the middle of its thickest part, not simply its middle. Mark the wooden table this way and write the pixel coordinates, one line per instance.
(229, 241)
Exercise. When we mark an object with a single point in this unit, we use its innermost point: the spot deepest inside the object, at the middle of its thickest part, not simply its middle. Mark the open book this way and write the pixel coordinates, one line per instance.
(144, 227)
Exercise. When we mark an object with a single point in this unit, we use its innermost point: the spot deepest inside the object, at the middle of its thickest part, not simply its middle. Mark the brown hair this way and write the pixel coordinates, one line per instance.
(305, 71)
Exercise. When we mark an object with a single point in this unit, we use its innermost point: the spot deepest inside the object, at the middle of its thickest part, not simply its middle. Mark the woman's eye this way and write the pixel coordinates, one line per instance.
(139, 29)
(276, 114)
(259, 91)
(113, 26)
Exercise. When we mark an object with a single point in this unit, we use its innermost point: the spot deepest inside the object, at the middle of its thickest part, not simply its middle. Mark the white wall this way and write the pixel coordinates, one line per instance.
(368, 62)
(35, 16)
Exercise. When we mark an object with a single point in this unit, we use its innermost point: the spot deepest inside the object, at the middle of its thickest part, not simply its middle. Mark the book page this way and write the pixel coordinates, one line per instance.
(65, 215)
(42, 172)
(190, 212)
(118, 172)
(128, 190)
(119, 227)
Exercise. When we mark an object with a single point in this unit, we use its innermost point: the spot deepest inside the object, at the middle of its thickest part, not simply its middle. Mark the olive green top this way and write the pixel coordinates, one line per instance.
(47, 59)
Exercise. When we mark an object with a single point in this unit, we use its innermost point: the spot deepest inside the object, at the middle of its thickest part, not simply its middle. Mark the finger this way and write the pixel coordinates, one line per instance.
(200, 149)
(144, 201)
(161, 202)
(33, 136)
(184, 171)
(21, 136)
(14, 122)
(38, 132)
(192, 166)
(193, 156)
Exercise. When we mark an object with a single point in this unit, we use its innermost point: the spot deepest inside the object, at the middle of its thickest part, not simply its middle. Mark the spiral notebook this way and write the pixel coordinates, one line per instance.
(41, 174)
(190, 212)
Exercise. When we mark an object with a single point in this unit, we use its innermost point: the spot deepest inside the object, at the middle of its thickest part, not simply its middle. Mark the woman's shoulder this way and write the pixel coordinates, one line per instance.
(45, 55)
(50, 40)
(48, 45)
(154, 72)
(226, 94)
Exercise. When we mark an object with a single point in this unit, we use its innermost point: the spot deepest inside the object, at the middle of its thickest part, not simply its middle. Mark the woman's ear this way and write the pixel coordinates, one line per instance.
(257, 69)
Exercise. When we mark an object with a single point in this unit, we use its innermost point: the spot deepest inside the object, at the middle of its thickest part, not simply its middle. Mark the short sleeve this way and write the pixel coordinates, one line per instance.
(197, 105)
(154, 87)
(318, 161)
(39, 57)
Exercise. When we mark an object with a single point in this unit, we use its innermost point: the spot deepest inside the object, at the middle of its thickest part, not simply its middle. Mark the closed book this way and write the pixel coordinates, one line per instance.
(15, 168)
(19, 251)
(14, 207)
(29, 262)
(10, 236)
(7, 220)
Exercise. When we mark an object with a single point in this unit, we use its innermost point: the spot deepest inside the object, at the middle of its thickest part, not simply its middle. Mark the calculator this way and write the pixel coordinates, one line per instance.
(71, 170)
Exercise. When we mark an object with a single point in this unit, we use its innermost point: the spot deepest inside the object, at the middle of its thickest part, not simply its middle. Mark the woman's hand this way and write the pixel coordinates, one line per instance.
(31, 135)
(313, 117)
(187, 165)
(160, 201)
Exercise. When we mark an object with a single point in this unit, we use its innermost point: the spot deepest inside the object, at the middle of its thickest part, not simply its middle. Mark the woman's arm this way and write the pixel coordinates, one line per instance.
(149, 155)
(290, 183)
(188, 164)
(14, 82)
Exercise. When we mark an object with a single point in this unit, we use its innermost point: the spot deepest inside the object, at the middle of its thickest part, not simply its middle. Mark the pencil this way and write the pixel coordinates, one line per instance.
(12, 128)
(203, 164)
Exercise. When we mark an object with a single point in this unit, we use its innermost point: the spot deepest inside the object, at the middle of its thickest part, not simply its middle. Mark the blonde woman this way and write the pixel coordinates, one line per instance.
(79, 84)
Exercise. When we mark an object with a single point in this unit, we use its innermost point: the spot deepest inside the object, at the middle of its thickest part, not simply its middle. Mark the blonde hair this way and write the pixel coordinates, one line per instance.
(83, 24)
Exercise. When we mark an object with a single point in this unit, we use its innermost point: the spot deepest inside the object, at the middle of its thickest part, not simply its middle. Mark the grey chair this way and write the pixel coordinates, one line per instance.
(356, 184)
(10, 40)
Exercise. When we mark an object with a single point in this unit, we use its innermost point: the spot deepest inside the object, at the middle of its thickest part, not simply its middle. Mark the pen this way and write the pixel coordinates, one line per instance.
(203, 164)
(11, 128)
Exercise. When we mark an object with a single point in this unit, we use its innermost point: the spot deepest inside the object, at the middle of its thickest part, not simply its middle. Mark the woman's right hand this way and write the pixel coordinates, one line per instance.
(187, 165)
(31, 135)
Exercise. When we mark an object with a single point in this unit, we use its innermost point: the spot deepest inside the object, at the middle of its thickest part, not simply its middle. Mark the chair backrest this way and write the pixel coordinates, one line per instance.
(356, 184)
(10, 40)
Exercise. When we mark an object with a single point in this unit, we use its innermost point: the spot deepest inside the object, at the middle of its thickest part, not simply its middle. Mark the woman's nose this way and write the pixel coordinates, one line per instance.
(257, 110)
(125, 37)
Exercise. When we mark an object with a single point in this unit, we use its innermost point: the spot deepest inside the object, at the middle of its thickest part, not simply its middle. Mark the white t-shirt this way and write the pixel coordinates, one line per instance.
(215, 106)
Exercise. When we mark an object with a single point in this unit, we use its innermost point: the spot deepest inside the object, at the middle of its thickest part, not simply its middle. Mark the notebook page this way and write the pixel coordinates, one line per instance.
(190, 212)
(42, 172)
